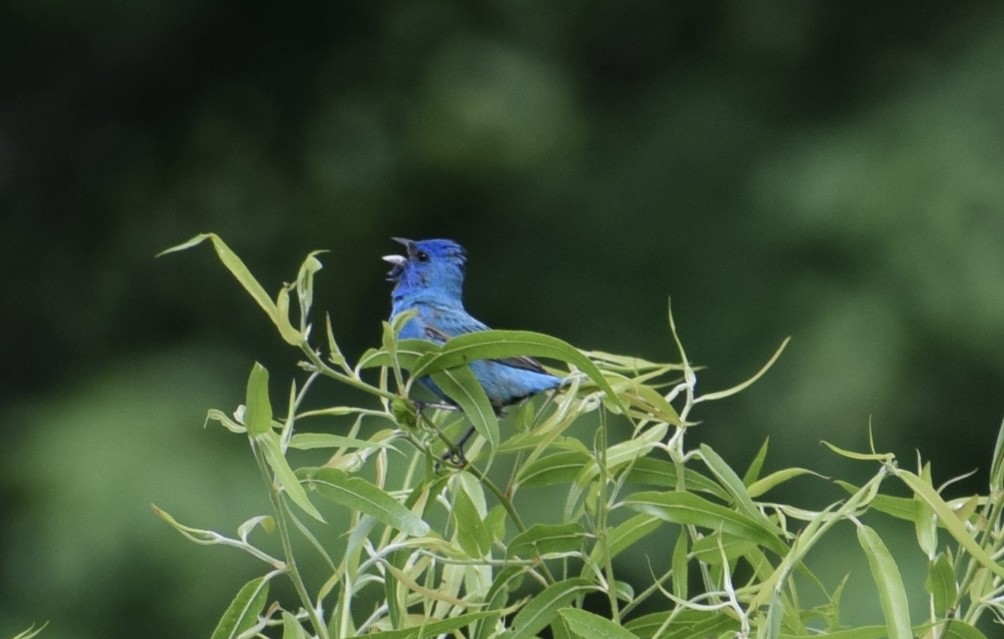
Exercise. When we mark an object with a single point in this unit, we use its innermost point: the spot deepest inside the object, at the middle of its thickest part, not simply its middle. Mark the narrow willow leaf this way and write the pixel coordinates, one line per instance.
(434, 628)
(892, 593)
(284, 475)
(738, 388)
(217, 415)
(660, 472)
(753, 472)
(244, 277)
(879, 457)
(462, 387)
(258, 414)
(590, 626)
(685, 624)
(941, 585)
(761, 486)
(544, 539)
(286, 330)
(472, 534)
(305, 283)
(335, 355)
(625, 535)
(507, 580)
(266, 522)
(198, 535)
(950, 520)
(243, 611)
(925, 523)
(904, 508)
(358, 494)
(997, 465)
(234, 264)
(733, 485)
(309, 441)
(31, 632)
(955, 629)
(291, 628)
(711, 548)
(628, 451)
(559, 468)
(686, 508)
(681, 572)
(544, 607)
(469, 347)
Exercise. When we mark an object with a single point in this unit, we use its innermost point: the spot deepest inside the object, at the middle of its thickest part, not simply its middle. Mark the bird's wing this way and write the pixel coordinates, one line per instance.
(471, 325)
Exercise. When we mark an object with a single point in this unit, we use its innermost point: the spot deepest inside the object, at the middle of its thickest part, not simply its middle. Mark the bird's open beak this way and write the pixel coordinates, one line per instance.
(398, 261)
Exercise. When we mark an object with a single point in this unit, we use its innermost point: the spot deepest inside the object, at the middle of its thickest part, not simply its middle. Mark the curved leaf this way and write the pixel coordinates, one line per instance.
(544, 607)
(686, 508)
(243, 611)
(892, 593)
(361, 495)
(470, 347)
(590, 626)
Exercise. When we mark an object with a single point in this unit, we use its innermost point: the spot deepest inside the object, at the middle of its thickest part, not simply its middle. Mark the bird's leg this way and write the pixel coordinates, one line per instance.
(455, 455)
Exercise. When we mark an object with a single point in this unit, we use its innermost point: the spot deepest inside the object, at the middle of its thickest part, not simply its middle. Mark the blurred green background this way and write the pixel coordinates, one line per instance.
(829, 171)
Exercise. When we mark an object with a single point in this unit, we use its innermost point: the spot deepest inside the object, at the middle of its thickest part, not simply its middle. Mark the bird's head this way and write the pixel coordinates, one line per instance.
(434, 267)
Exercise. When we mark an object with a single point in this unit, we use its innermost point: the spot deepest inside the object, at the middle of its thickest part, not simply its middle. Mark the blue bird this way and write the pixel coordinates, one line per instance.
(430, 281)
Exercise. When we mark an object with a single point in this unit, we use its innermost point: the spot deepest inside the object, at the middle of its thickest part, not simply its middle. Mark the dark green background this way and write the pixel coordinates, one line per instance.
(829, 171)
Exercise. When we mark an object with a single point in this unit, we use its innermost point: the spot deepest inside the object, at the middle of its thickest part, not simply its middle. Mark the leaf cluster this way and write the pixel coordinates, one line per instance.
(435, 546)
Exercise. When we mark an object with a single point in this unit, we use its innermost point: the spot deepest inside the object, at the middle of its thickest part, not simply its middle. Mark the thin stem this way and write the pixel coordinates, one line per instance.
(287, 546)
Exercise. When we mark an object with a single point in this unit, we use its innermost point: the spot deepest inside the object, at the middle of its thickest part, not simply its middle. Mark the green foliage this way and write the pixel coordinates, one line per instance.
(437, 545)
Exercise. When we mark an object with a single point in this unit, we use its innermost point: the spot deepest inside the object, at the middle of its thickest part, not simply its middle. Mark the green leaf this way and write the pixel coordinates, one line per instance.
(291, 628)
(269, 444)
(941, 585)
(590, 626)
(31, 632)
(753, 472)
(681, 571)
(197, 535)
(879, 457)
(733, 485)
(997, 465)
(904, 508)
(709, 548)
(309, 441)
(925, 523)
(446, 626)
(738, 388)
(258, 411)
(625, 535)
(358, 494)
(544, 607)
(659, 472)
(955, 629)
(243, 611)
(462, 386)
(470, 347)
(761, 486)
(689, 509)
(559, 468)
(472, 534)
(545, 539)
(685, 624)
(949, 520)
(892, 594)
(243, 276)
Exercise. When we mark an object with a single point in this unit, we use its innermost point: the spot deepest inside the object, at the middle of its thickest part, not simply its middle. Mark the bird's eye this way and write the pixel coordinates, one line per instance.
(422, 256)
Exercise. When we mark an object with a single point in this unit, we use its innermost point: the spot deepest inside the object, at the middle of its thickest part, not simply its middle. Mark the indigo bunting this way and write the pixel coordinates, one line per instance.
(430, 281)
